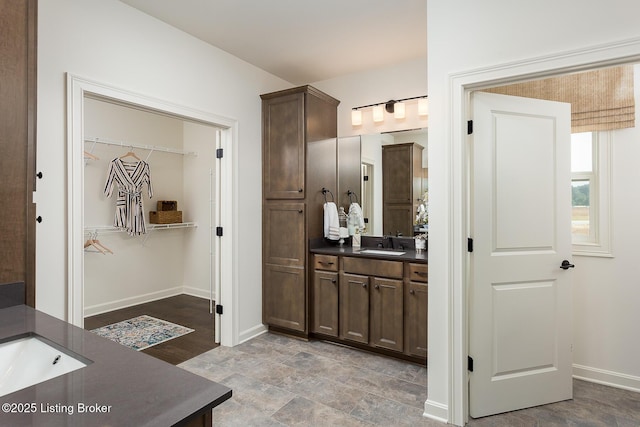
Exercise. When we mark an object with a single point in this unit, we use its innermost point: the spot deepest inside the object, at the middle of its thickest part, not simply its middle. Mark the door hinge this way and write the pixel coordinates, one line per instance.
(219, 153)
(469, 244)
(470, 363)
(219, 231)
(469, 127)
(218, 309)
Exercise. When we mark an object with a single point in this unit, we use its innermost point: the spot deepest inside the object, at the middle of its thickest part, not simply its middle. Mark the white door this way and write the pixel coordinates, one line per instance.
(520, 313)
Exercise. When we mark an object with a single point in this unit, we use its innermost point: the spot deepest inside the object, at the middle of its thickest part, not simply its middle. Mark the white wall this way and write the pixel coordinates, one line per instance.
(469, 35)
(110, 42)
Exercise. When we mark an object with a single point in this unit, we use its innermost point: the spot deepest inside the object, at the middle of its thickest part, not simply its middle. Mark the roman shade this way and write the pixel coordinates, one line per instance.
(600, 100)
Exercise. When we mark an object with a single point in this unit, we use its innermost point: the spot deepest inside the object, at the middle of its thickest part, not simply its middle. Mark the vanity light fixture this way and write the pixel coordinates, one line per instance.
(356, 117)
(378, 114)
(395, 107)
(423, 107)
(399, 110)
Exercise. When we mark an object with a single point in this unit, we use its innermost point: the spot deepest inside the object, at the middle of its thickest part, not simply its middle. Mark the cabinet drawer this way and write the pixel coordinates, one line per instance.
(325, 262)
(418, 272)
(373, 267)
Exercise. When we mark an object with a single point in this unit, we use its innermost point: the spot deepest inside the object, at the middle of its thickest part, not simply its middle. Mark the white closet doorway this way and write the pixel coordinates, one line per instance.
(179, 252)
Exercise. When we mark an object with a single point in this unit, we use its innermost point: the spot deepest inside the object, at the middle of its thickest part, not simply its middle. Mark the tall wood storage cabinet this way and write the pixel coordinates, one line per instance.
(18, 144)
(299, 131)
(402, 176)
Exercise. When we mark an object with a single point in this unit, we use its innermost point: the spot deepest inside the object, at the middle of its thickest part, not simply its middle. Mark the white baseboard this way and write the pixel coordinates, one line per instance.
(128, 302)
(436, 411)
(196, 292)
(252, 333)
(604, 377)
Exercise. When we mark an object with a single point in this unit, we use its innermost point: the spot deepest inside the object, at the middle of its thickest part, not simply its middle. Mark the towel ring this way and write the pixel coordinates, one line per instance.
(351, 193)
(324, 192)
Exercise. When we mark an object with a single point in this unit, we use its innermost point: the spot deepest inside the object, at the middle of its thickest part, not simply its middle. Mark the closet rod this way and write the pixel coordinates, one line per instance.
(142, 147)
(150, 227)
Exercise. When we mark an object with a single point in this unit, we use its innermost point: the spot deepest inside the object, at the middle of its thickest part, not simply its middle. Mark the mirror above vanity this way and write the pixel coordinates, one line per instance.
(391, 186)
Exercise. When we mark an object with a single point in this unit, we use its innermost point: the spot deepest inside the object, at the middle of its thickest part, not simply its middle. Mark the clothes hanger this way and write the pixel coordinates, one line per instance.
(94, 242)
(89, 243)
(130, 153)
(88, 155)
(98, 244)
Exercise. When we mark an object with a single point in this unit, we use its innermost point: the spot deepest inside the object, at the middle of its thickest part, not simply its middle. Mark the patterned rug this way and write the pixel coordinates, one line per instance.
(142, 332)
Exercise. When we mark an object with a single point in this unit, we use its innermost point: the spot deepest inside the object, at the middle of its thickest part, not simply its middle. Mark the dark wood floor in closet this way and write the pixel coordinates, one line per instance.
(184, 310)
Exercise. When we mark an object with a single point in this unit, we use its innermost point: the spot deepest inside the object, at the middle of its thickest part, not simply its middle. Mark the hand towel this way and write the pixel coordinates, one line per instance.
(331, 223)
(355, 207)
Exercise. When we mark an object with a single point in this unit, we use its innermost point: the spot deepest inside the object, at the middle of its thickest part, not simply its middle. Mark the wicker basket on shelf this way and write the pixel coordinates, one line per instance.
(167, 213)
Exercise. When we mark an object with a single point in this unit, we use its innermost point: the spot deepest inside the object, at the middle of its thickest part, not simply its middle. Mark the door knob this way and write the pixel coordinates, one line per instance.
(566, 265)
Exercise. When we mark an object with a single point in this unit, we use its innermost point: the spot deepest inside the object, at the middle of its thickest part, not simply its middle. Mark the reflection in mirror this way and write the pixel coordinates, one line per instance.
(372, 181)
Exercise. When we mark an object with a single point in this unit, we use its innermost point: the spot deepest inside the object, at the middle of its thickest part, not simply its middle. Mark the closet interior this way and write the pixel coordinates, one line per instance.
(147, 262)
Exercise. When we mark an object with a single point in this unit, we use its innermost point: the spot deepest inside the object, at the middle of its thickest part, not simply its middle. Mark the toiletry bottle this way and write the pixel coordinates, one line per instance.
(355, 241)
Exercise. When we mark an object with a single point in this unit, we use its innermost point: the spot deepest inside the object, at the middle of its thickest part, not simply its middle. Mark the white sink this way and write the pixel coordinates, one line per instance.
(381, 252)
(27, 361)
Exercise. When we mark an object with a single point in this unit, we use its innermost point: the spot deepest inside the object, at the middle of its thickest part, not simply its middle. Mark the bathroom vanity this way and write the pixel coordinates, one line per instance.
(373, 298)
(118, 386)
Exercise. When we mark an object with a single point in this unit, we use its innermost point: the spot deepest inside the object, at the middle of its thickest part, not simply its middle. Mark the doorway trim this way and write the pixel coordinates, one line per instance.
(460, 86)
(77, 89)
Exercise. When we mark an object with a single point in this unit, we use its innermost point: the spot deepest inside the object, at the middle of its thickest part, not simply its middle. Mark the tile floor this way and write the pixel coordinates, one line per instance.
(281, 381)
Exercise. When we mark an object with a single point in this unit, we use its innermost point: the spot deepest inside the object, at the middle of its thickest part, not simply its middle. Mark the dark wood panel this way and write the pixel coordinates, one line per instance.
(185, 310)
(283, 230)
(373, 267)
(387, 314)
(397, 219)
(325, 303)
(283, 152)
(17, 142)
(284, 297)
(325, 262)
(416, 302)
(354, 308)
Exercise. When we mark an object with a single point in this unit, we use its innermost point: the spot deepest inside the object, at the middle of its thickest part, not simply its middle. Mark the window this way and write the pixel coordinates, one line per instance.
(590, 193)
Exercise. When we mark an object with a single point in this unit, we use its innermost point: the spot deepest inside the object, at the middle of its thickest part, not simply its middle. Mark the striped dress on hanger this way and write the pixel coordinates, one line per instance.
(130, 178)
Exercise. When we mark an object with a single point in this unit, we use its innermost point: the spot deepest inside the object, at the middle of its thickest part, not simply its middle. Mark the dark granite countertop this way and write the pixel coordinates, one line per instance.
(137, 389)
(409, 254)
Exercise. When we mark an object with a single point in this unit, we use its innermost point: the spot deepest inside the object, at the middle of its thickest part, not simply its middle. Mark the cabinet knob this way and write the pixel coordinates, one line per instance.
(299, 210)
(334, 281)
(299, 190)
(364, 285)
(377, 286)
(412, 292)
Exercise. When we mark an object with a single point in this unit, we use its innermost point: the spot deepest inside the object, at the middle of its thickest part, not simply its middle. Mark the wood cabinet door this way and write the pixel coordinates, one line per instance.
(354, 307)
(283, 301)
(283, 234)
(325, 303)
(283, 155)
(397, 174)
(387, 315)
(416, 300)
(397, 219)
